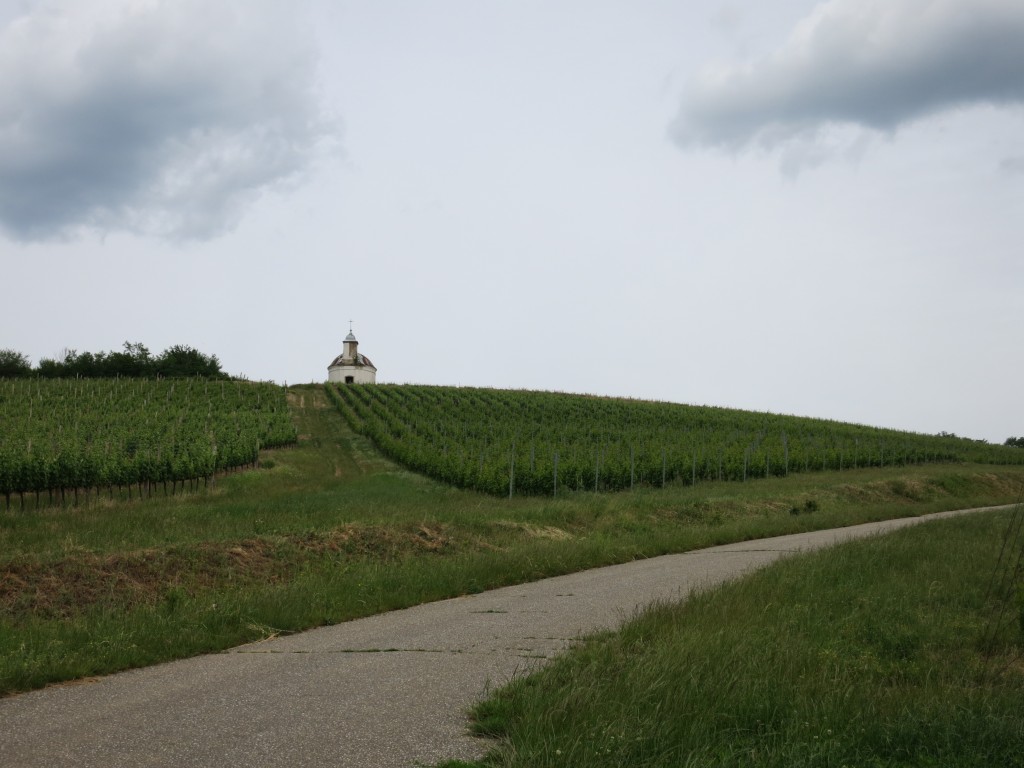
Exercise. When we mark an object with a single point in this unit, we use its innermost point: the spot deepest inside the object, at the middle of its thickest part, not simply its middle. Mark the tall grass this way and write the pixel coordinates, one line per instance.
(869, 654)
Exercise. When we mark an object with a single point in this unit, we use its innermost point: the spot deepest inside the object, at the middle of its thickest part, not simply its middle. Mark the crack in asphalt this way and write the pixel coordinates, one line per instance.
(742, 551)
(445, 651)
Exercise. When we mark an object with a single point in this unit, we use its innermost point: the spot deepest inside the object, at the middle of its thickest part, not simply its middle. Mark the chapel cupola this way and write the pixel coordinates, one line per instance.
(351, 345)
(351, 367)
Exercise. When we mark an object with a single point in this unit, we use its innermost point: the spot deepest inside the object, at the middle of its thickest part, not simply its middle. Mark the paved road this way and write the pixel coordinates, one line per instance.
(390, 690)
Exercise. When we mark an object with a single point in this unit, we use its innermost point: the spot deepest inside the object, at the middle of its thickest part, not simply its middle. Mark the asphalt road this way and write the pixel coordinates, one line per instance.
(390, 690)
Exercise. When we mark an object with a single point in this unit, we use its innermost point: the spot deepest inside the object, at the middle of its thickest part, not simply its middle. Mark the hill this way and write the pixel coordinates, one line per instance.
(505, 442)
(329, 529)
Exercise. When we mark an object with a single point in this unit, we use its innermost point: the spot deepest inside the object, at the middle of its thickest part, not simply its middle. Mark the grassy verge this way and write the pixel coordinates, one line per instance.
(881, 652)
(328, 531)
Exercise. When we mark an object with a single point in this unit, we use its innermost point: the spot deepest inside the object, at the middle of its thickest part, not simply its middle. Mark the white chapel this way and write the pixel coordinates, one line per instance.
(351, 367)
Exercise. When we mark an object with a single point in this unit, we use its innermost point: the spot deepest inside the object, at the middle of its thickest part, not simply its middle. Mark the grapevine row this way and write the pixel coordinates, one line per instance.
(510, 442)
(61, 436)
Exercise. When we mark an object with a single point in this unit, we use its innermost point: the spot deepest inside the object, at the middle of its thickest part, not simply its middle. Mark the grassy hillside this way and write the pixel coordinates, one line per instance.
(329, 530)
(903, 650)
(507, 442)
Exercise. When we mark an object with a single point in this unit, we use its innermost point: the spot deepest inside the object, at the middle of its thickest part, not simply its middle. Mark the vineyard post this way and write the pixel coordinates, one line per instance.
(785, 454)
(597, 459)
(693, 470)
(511, 470)
(662, 467)
(555, 486)
(746, 457)
(631, 467)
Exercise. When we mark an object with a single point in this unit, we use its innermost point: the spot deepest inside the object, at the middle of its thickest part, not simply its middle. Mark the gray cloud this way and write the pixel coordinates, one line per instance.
(1012, 165)
(872, 64)
(160, 117)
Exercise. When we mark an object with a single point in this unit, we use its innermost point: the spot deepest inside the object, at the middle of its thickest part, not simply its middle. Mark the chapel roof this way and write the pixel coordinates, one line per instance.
(361, 361)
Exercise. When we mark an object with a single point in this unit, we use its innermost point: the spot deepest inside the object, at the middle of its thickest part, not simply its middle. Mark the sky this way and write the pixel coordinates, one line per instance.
(811, 208)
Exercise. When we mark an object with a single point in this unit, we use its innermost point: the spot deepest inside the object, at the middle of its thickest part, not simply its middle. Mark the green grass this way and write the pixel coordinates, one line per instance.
(329, 531)
(875, 653)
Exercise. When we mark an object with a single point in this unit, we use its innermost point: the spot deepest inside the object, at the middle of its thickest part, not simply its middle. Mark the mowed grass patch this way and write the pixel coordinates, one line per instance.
(879, 652)
(329, 531)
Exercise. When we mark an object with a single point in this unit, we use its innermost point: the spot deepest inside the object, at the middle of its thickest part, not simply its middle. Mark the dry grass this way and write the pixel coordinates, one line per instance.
(84, 580)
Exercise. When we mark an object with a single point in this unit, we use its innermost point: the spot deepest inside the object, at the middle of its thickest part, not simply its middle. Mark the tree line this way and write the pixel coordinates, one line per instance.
(134, 361)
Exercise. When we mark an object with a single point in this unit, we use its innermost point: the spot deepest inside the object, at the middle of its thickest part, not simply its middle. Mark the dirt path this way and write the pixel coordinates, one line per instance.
(390, 690)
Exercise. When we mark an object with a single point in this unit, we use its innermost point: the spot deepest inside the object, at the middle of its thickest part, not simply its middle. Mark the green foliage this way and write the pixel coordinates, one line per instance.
(135, 361)
(81, 433)
(506, 442)
(181, 360)
(1015, 442)
(14, 364)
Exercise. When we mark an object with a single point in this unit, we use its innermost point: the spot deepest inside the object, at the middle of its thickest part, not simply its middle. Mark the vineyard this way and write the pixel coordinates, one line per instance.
(506, 442)
(64, 437)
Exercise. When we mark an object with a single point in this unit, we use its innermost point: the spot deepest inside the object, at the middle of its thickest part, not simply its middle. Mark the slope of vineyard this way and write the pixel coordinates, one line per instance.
(69, 434)
(504, 442)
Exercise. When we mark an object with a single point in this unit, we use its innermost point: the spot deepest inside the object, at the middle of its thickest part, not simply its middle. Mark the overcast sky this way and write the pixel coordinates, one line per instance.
(797, 207)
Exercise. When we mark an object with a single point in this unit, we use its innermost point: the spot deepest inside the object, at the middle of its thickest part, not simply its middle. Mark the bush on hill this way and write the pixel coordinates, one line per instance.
(14, 364)
(134, 361)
